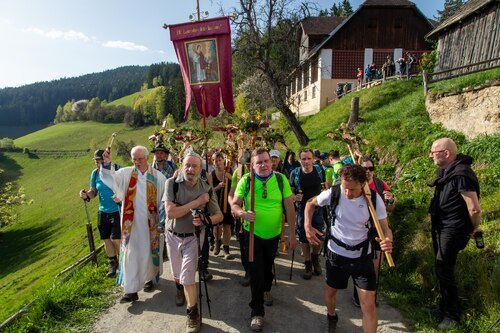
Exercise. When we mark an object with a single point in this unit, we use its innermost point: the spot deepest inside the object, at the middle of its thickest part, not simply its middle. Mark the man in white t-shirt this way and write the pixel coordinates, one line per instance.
(349, 242)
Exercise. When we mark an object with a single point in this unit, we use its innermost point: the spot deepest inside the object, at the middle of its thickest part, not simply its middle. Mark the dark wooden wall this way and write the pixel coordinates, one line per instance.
(476, 39)
(383, 28)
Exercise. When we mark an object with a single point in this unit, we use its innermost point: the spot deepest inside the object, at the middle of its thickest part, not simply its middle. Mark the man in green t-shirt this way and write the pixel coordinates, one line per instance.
(268, 209)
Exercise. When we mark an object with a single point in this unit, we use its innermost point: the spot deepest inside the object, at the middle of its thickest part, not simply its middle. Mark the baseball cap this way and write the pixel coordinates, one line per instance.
(274, 153)
(159, 146)
(323, 156)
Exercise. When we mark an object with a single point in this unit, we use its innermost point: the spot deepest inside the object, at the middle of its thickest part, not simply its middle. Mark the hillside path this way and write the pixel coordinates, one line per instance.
(298, 304)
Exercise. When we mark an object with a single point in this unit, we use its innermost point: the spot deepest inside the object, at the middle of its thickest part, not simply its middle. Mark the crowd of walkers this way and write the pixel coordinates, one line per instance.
(188, 210)
(405, 69)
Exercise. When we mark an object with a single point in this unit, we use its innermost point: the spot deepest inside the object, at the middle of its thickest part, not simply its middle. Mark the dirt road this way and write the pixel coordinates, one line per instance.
(298, 304)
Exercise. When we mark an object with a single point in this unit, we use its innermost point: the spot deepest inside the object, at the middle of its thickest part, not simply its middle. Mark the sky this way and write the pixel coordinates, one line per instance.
(51, 39)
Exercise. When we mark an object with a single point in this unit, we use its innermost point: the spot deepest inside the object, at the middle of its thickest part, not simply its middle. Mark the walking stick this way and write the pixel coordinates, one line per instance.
(198, 241)
(291, 266)
(252, 204)
(90, 235)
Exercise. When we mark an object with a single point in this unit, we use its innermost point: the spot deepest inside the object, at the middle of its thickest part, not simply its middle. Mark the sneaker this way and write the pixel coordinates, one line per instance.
(257, 323)
(332, 322)
(217, 247)
(129, 298)
(307, 275)
(148, 286)
(180, 298)
(447, 323)
(316, 265)
(268, 298)
(245, 281)
(206, 276)
(227, 255)
(193, 323)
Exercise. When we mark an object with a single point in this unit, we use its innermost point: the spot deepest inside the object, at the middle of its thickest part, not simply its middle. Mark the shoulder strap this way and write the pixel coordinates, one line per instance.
(334, 201)
(94, 178)
(379, 185)
(319, 170)
(296, 178)
(176, 189)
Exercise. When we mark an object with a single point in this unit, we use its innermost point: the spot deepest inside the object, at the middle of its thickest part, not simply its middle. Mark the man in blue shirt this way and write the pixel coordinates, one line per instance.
(108, 216)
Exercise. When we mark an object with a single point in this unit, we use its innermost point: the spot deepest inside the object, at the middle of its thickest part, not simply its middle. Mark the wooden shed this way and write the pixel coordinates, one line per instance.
(470, 36)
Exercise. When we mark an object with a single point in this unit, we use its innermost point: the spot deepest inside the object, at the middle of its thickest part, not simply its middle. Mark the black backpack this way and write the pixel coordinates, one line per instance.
(334, 201)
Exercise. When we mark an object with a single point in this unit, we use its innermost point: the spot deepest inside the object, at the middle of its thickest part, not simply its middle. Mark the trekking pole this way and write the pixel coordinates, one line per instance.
(90, 235)
(378, 276)
(200, 295)
(291, 266)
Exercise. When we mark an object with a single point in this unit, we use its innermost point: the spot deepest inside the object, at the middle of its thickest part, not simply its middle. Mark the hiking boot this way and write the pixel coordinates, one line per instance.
(205, 275)
(129, 298)
(217, 247)
(332, 322)
(316, 265)
(211, 247)
(447, 323)
(245, 281)
(113, 266)
(148, 286)
(268, 298)
(257, 323)
(227, 255)
(180, 298)
(193, 323)
(307, 275)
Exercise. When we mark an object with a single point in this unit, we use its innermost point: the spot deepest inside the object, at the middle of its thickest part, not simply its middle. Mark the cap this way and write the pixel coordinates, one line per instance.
(274, 153)
(98, 154)
(323, 156)
(159, 146)
(316, 153)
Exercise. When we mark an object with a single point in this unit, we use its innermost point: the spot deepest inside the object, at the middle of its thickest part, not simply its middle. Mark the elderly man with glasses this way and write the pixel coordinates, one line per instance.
(268, 209)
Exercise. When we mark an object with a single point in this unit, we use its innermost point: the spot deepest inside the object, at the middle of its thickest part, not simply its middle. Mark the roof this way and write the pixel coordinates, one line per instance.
(469, 9)
(391, 3)
(321, 25)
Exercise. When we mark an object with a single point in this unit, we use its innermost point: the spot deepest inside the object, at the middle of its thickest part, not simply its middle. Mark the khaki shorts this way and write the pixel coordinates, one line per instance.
(183, 256)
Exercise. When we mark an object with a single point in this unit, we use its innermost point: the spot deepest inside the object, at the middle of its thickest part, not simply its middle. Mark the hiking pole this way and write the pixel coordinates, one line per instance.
(378, 276)
(90, 235)
(200, 295)
(291, 266)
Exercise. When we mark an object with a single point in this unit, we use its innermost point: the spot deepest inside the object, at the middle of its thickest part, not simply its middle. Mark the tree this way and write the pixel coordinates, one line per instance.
(450, 8)
(265, 43)
(346, 6)
(342, 9)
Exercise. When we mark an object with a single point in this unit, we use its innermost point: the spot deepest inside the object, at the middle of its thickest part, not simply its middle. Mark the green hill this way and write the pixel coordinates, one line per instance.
(129, 99)
(50, 233)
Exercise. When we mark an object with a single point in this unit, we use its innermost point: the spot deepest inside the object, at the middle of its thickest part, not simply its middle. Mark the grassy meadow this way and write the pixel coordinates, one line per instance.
(129, 99)
(50, 233)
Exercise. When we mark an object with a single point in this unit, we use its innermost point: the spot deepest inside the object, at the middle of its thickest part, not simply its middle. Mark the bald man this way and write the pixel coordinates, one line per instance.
(455, 215)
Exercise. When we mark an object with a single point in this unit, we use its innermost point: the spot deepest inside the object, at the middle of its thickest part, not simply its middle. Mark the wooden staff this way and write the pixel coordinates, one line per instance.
(368, 194)
(282, 235)
(252, 204)
(229, 157)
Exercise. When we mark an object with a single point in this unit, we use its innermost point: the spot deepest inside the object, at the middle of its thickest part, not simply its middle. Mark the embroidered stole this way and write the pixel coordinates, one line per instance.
(153, 218)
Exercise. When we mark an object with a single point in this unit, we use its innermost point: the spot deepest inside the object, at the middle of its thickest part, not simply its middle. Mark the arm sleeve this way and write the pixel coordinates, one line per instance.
(385, 187)
(240, 188)
(380, 209)
(324, 197)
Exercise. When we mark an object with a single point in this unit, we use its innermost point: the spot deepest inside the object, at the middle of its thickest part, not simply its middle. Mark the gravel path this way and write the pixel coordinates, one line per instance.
(298, 304)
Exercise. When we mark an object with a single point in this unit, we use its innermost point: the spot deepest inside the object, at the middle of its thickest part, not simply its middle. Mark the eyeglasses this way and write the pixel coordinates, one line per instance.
(264, 190)
(370, 168)
(437, 151)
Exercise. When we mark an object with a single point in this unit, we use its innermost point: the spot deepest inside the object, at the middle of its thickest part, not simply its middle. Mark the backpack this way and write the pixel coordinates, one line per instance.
(296, 175)
(334, 201)
(379, 185)
(341, 164)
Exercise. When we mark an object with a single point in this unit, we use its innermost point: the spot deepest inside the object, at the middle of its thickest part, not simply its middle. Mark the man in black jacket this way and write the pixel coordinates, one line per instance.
(455, 215)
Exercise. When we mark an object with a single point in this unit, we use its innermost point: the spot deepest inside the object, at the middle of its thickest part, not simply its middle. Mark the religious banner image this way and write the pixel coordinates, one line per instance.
(203, 61)
(203, 49)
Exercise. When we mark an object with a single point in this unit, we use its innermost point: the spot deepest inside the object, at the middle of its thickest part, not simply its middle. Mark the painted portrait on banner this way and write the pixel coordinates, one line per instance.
(203, 61)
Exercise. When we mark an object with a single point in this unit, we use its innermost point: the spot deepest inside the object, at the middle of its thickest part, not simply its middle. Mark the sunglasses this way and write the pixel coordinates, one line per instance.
(264, 190)
(370, 168)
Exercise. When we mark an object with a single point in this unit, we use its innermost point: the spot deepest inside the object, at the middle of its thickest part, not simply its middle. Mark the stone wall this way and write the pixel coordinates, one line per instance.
(472, 112)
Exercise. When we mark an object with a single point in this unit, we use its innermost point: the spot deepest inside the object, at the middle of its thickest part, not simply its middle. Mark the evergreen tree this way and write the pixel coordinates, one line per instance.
(346, 6)
(451, 7)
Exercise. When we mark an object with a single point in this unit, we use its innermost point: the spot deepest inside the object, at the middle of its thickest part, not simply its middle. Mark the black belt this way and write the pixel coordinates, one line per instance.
(182, 235)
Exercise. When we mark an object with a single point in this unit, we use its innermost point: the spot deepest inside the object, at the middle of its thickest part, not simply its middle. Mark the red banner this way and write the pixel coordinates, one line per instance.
(203, 49)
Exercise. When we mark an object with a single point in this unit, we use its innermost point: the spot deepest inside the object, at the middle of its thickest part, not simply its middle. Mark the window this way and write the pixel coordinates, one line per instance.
(313, 94)
(305, 95)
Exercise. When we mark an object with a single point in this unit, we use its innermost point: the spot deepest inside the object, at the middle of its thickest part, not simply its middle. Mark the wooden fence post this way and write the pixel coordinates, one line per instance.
(354, 114)
(425, 77)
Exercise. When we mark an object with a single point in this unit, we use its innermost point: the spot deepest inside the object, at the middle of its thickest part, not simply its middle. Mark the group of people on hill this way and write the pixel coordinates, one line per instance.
(407, 65)
(149, 210)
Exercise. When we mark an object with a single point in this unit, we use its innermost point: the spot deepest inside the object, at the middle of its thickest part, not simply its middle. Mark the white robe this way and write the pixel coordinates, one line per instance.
(137, 266)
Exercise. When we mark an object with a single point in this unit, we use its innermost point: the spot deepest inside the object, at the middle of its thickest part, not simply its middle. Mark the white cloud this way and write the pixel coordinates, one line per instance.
(130, 46)
(58, 34)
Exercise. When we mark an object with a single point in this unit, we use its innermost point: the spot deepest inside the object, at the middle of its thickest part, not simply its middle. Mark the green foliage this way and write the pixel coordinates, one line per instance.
(428, 61)
(7, 144)
(456, 85)
(123, 149)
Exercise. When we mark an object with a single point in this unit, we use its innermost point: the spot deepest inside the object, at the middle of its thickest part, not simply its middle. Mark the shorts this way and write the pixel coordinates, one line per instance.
(339, 269)
(183, 256)
(109, 225)
(317, 222)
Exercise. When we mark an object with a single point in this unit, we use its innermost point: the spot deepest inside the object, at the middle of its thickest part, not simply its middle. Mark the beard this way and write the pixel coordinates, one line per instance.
(193, 178)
